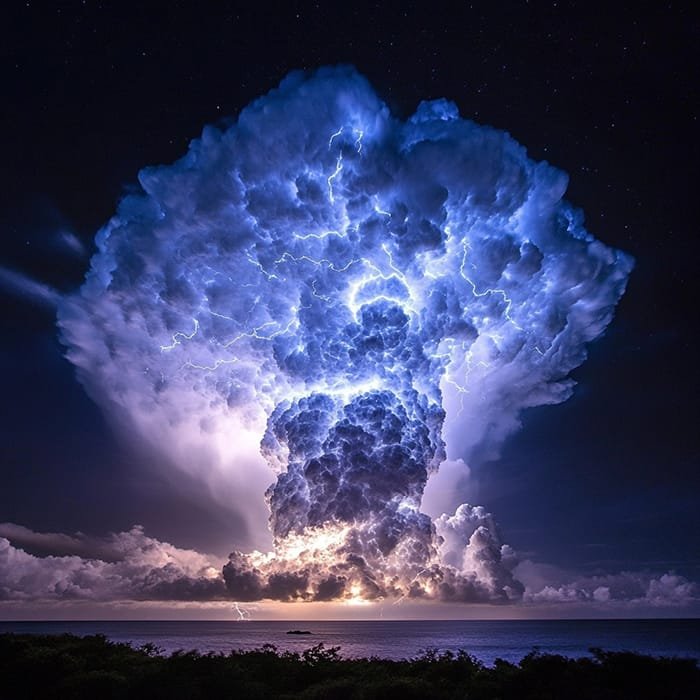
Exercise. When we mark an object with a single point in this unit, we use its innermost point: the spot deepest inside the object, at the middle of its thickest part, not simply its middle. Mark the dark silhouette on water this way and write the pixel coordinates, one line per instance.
(298, 632)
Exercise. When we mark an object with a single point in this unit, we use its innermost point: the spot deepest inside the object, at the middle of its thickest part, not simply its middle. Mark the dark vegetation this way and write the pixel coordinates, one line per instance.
(66, 666)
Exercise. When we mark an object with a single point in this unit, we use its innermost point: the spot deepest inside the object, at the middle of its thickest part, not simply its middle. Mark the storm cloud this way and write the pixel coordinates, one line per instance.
(328, 298)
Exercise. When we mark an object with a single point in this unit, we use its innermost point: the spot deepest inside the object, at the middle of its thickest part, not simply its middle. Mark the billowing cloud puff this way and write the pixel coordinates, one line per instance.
(546, 584)
(124, 566)
(327, 294)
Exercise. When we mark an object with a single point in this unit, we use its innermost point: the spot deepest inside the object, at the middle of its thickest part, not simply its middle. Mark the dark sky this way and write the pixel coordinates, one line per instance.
(94, 91)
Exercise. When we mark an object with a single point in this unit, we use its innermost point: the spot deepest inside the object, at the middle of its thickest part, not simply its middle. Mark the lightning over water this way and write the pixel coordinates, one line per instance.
(317, 307)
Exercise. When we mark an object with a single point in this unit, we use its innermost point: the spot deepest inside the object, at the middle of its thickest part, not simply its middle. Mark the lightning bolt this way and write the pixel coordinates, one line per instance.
(334, 136)
(486, 292)
(243, 614)
(338, 169)
(179, 336)
(358, 142)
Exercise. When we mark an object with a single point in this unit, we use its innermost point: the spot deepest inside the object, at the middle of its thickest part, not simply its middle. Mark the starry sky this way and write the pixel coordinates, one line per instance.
(93, 92)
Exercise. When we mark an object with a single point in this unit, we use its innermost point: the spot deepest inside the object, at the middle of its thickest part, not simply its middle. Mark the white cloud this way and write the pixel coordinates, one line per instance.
(139, 568)
(549, 584)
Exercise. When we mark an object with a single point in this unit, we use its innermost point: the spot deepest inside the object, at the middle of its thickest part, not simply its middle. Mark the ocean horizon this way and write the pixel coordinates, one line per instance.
(486, 640)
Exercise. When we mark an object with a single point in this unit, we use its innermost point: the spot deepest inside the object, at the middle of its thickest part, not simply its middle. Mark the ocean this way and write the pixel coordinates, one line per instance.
(486, 640)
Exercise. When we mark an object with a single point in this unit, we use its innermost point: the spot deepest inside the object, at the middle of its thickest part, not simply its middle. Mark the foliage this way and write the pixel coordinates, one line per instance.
(66, 666)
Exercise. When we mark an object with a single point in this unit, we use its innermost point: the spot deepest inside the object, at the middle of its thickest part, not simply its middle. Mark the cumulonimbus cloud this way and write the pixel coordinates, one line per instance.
(330, 296)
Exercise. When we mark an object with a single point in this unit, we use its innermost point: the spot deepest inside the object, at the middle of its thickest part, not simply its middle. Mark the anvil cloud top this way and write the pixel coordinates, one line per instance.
(356, 299)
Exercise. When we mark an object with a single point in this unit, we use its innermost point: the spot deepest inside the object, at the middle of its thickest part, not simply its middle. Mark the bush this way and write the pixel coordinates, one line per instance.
(56, 667)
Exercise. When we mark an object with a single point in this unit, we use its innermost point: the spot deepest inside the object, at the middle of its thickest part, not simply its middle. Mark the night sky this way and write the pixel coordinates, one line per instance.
(606, 482)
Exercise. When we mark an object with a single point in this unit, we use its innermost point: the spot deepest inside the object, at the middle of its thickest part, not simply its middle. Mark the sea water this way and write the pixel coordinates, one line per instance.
(486, 640)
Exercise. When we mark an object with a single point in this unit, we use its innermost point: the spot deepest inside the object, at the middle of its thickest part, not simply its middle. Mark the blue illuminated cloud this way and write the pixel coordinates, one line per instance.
(360, 298)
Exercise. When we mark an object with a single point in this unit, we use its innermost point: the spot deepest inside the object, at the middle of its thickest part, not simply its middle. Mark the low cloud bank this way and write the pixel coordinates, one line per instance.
(130, 566)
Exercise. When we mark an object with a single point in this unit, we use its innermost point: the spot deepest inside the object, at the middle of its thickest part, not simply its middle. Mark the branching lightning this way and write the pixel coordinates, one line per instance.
(243, 614)
(179, 337)
(336, 172)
